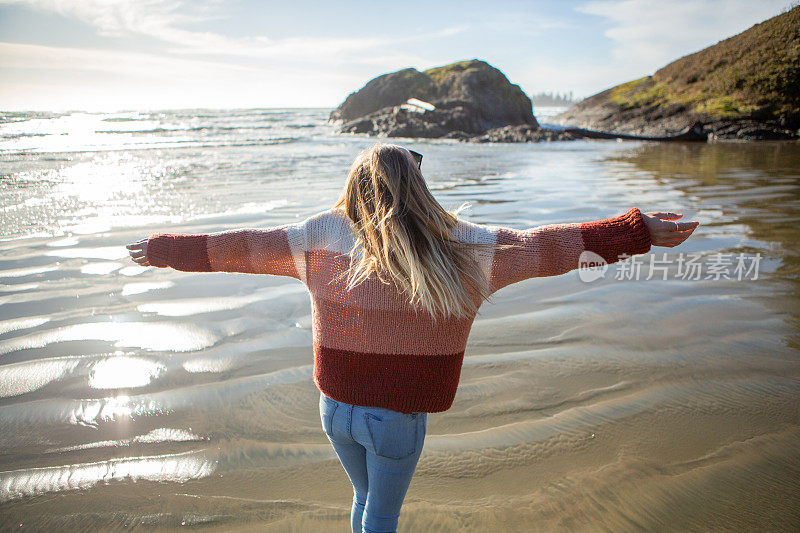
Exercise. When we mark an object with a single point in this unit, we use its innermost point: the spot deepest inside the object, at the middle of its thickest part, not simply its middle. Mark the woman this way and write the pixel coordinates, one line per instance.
(396, 282)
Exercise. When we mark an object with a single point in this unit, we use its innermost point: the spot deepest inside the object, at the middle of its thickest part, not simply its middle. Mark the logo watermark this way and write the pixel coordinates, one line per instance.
(689, 266)
(591, 266)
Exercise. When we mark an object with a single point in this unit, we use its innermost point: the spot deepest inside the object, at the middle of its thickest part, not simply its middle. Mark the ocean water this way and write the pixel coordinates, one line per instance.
(144, 398)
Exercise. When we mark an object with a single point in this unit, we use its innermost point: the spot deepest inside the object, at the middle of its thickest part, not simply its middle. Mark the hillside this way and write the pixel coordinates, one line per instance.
(746, 86)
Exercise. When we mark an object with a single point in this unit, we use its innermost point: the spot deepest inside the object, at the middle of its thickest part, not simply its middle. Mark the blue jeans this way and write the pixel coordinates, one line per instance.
(379, 449)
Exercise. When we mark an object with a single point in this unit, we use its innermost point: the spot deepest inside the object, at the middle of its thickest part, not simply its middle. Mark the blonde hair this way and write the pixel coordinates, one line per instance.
(403, 231)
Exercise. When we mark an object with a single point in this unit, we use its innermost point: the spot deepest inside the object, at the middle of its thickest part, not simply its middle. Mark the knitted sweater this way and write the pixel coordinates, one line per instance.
(371, 347)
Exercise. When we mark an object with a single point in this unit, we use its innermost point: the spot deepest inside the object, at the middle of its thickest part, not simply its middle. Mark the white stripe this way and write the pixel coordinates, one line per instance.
(332, 231)
(296, 235)
(478, 233)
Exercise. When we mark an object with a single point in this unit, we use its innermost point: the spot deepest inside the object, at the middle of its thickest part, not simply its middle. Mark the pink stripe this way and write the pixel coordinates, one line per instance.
(547, 250)
(252, 251)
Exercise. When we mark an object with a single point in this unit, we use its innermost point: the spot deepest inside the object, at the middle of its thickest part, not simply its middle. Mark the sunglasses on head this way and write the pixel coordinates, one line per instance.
(417, 158)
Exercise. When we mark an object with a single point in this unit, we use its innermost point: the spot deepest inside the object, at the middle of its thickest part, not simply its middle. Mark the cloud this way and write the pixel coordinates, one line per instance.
(648, 34)
(59, 78)
(119, 17)
(449, 32)
(48, 58)
(580, 75)
(161, 20)
(189, 68)
(520, 19)
(123, 17)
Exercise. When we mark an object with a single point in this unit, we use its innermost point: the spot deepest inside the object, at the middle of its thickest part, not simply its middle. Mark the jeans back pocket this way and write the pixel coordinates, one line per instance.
(393, 436)
(327, 407)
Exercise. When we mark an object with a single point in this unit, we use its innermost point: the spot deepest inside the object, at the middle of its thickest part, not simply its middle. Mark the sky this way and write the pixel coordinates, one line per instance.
(109, 55)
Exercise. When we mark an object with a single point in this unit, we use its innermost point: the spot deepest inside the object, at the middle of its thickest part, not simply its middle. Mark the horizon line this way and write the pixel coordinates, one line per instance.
(161, 109)
(152, 109)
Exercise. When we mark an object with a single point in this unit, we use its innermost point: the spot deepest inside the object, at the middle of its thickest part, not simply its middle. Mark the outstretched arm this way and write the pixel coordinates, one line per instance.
(555, 249)
(252, 251)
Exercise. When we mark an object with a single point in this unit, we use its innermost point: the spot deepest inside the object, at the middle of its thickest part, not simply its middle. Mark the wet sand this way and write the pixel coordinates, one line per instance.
(151, 399)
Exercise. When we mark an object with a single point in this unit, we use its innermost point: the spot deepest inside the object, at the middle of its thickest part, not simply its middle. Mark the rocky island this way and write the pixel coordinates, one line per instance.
(468, 100)
(744, 87)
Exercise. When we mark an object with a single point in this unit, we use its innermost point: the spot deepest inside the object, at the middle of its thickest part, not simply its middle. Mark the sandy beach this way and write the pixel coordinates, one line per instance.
(149, 399)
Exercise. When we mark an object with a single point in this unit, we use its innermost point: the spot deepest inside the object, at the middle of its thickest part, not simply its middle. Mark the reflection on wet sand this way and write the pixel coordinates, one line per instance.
(146, 335)
(175, 468)
(751, 192)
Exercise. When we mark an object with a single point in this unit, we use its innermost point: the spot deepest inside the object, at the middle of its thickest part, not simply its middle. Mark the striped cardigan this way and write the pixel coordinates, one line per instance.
(371, 348)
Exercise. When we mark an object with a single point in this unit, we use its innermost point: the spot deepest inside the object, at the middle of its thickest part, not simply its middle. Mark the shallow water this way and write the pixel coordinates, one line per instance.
(149, 398)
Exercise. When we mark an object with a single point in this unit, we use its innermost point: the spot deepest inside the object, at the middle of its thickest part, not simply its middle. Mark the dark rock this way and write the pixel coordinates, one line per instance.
(751, 130)
(521, 134)
(387, 90)
(470, 98)
(692, 133)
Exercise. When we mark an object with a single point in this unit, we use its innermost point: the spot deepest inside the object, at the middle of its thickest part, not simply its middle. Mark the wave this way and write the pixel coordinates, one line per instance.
(22, 116)
(21, 135)
(166, 144)
(205, 128)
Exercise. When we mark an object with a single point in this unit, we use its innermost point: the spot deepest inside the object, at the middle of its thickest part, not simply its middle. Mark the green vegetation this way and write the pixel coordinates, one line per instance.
(725, 107)
(448, 80)
(438, 74)
(753, 74)
(646, 92)
(639, 93)
(415, 81)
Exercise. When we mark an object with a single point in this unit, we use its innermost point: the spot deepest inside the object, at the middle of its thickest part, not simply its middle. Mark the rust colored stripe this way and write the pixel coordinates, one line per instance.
(401, 382)
(611, 237)
(179, 251)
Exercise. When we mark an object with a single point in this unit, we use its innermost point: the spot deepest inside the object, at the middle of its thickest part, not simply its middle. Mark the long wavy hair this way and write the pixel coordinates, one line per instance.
(405, 236)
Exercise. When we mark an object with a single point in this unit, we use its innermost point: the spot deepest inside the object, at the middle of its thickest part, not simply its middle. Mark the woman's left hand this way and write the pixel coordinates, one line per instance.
(138, 251)
(664, 231)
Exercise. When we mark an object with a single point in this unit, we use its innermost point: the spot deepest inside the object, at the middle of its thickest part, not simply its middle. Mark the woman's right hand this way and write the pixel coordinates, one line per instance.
(664, 231)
